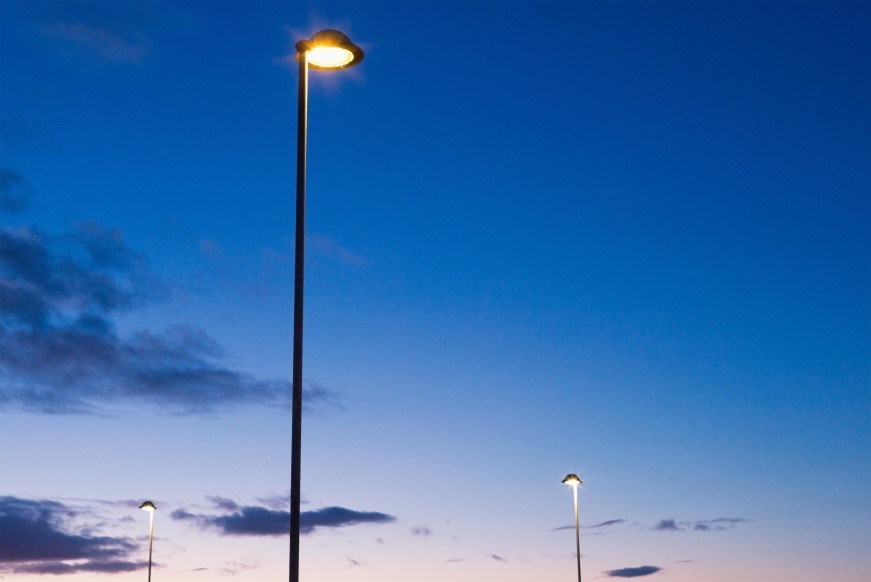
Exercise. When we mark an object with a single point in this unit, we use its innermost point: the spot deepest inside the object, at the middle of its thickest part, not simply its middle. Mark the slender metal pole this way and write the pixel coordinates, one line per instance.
(150, 540)
(299, 263)
(577, 532)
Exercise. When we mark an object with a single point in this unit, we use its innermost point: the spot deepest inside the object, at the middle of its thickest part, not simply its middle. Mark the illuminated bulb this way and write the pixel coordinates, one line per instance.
(330, 57)
(330, 49)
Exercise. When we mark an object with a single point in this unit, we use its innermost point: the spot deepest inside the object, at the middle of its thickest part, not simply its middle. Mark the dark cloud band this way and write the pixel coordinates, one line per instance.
(262, 521)
(633, 572)
(704, 525)
(36, 538)
(62, 355)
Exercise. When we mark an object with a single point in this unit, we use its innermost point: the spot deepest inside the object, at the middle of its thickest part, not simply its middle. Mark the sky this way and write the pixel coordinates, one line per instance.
(627, 240)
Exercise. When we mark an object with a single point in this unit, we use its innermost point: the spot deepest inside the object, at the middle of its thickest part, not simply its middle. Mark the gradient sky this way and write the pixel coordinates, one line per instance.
(627, 240)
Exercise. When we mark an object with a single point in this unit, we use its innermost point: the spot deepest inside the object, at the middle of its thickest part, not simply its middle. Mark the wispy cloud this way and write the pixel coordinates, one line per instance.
(62, 354)
(421, 531)
(601, 525)
(498, 558)
(330, 249)
(633, 572)
(223, 503)
(277, 501)
(608, 523)
(37, 537)
(666, 525)
(27, 134)
(704, 525)
(231, 568)
(255, 520)
(15, 192)
(100, 42)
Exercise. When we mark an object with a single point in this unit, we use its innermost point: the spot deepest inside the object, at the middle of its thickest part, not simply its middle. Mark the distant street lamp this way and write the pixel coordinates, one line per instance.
(150, 508)
(574, 481)
(327, 50)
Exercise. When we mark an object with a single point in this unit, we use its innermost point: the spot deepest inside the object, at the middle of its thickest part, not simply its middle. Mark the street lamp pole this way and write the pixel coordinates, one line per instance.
(574, 481)
(149, 507)
(328, 49)
(299, 259)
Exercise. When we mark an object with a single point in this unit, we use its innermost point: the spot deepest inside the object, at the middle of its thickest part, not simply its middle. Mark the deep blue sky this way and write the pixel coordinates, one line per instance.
(629, 240)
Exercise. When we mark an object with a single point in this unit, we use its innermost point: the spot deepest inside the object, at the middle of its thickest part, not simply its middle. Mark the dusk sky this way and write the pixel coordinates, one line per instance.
(627, 240)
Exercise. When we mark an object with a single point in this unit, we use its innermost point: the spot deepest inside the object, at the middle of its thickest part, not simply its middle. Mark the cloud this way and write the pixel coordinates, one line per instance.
(262, 521)
(635, 572)
(498, 558)
(608, 523)
(62, 354)
(99, 42)
(602, 525)
(316, 395)
(719, 524)
(666, 525)
(231, 568)
(223, 503)
(330, 249)
(112, 567)
(456, 560)
(705, 525)
(36, 538)
(277, 501)
(15, 192)
(27, 134)
(421, 530)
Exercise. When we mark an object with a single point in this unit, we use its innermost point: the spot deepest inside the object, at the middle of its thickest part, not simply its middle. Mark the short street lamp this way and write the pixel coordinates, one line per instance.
(327, 50)
(574, 481)
(150, 508)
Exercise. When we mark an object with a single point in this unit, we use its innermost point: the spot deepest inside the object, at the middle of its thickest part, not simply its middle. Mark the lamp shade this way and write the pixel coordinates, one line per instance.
(330, 49)
(572, 479)
(147, 506)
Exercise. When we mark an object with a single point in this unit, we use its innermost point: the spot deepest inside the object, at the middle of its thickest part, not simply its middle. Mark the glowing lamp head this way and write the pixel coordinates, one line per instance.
(330, 49)
(572, 479)
(147, 506)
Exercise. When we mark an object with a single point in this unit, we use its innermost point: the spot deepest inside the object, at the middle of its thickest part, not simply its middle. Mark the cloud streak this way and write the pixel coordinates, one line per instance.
(608, 523)
(99, 42)
(63, 355)
(633, 572)
(328, 248)
(601, 525)
(36, 537)
(705, 525)
(255, 520)
(14, 192)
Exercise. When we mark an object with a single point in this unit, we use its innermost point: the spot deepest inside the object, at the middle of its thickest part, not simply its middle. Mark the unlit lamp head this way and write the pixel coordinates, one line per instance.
(572, 479)
(330, 49)
(147, 506)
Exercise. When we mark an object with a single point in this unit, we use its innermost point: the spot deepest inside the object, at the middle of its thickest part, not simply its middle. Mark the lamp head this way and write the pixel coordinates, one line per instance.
(147, 506)
(572, 479)
(330, 49)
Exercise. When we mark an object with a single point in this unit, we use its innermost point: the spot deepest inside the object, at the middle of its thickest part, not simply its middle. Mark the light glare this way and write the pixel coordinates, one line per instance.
(330, 57)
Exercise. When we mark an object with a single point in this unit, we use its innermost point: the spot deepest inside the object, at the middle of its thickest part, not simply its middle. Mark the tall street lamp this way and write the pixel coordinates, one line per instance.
(327, 50)
(574, 481)
(150, 508)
